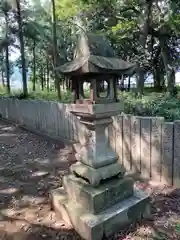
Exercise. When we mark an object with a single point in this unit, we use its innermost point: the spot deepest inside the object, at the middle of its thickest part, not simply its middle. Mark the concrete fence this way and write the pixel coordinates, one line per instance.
(147, 145)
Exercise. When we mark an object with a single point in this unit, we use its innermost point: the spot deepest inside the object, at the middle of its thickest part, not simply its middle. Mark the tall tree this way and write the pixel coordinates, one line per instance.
(21, 41)
(34, 65)
(5, 8)
(54, 24)
(2, 68)
(7, 54)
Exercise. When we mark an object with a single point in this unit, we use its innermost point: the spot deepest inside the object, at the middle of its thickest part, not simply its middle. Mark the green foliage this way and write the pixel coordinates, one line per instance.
(3, 91)
(68, 8)
(51, 96)
(124, 26)
(152, 104)
(45, 95)
(177, 227)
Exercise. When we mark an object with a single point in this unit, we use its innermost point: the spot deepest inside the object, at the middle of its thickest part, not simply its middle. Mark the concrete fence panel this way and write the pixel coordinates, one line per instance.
(167, 153)
(146, 145)
(136, 144)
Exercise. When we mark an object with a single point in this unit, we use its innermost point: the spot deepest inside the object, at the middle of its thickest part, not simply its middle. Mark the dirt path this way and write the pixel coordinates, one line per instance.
(31, 166)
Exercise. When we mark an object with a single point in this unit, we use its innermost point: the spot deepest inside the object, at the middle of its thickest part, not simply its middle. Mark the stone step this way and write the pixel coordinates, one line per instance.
(95, 227)
(96, 200)
(95, 175)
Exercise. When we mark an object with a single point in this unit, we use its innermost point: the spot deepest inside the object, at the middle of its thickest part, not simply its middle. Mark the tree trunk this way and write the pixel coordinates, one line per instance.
(7, 71)
(158, 79)
(66, 80)
(47, 69)
(129, 84)
(7, 56)
(122, 83)
(68, 84)
(57, 82)
(146, 23)
(63, 84)
(69, 87)
(42, 79)
(34, 65)
(21, 40)
(2, 77)
(170, 71)
(140, 82)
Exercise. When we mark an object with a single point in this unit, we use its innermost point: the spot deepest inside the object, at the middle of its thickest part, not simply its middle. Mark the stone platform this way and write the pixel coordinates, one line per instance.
(95, 226)
(98, 199)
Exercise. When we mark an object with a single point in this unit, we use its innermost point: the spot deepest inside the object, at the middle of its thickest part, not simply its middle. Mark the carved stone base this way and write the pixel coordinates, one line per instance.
(113, 219)
(98, 199)
(93, 175)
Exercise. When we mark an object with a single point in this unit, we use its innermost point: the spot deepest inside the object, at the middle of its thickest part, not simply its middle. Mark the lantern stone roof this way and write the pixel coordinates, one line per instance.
(94, 55)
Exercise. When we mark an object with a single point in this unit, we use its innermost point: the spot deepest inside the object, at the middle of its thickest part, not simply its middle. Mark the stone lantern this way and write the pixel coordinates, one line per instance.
(97, 198)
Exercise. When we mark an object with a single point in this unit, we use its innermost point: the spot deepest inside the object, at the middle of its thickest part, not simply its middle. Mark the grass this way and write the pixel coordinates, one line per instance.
(50, 96)
(151, 104)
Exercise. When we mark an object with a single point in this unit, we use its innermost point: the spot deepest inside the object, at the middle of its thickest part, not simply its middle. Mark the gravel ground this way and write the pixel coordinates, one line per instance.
(31, 166)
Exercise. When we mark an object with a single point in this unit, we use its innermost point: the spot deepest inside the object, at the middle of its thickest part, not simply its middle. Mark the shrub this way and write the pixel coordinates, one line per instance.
(153, 104)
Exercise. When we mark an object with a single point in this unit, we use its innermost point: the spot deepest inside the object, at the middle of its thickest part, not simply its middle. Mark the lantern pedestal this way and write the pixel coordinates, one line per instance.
(96, 198)
(114, 218)
(97, 160)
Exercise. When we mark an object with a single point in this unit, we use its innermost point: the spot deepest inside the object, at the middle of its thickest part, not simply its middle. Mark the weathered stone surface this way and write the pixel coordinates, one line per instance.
(135, 144)
(156, 145)
(176, 166)
(111, 134)
(167, 153)
(127, 142)
(94, 176)
(145, 147)
(96, 151)
(59, 200)
(94, 227)
(118, 125)
(98, 199)
(75, 128)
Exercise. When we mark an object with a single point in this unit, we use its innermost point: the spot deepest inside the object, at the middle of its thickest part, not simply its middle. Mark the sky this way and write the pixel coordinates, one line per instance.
(16, 77)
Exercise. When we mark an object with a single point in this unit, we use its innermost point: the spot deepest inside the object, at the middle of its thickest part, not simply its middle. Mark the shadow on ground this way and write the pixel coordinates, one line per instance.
(36, 231)
(30, 167)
